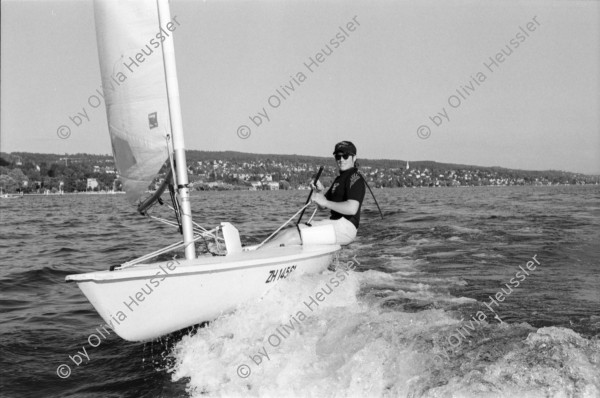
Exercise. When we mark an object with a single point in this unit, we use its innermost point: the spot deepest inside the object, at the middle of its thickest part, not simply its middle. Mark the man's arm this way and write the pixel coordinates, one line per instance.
(348, 207)
(319, 188)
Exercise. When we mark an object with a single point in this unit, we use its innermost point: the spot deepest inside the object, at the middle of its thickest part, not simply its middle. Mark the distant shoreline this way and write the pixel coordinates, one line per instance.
(74, 193)
(267, 190)
(382, 188)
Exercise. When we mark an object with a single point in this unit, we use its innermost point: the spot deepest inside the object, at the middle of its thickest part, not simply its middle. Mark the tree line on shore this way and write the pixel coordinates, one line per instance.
(35, 172)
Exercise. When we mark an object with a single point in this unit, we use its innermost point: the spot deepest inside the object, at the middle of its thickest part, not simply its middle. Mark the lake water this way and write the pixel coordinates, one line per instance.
(417, 317)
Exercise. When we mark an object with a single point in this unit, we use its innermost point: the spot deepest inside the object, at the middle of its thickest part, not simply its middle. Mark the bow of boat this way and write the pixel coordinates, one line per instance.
(146, 301)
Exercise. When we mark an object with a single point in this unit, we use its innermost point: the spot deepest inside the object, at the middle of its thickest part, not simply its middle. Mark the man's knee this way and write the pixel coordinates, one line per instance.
(318, 235)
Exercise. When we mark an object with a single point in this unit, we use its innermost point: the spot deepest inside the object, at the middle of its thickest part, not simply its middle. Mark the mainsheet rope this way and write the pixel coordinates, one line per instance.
(284, 224)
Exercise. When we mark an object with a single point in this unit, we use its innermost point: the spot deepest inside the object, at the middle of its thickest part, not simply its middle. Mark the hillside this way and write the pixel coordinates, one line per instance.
(35, 172)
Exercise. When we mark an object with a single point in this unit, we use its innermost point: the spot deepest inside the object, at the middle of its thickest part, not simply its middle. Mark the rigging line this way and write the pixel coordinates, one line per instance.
(171, 162)
(151, 255)
(374, 198)
(176, 207)
(202, 231)
(284, 224)
(165, 221)
(208, 249)
(181, 213)
(169, 248)
(311, 217)
(193, 222)
(198, 225)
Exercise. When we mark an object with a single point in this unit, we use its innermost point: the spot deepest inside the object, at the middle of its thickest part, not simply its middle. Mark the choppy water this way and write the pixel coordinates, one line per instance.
(391, 327)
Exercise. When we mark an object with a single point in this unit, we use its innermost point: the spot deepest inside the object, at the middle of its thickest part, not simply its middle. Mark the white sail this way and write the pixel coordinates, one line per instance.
(133, 79)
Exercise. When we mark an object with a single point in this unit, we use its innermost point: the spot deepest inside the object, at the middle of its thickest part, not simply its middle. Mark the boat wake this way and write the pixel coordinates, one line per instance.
(374, 333)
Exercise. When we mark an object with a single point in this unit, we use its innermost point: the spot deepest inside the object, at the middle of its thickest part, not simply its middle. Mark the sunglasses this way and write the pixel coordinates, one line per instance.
(337, 156)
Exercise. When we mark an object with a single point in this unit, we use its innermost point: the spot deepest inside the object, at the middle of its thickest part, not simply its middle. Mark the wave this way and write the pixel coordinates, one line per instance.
(353, 343)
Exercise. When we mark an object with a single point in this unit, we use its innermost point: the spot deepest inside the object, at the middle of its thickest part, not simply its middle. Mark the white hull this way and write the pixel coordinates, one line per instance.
(147, 301)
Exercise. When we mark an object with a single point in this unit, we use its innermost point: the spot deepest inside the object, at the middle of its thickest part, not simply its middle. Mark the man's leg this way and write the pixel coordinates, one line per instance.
(345, 231)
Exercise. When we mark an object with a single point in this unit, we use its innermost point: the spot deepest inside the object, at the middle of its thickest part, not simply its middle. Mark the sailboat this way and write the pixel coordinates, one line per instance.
(140, 299)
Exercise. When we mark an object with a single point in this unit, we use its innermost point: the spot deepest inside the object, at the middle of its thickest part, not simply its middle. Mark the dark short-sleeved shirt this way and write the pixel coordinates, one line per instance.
(348, 185)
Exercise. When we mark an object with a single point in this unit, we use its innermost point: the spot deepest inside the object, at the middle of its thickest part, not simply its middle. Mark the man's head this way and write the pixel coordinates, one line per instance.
(345, 155)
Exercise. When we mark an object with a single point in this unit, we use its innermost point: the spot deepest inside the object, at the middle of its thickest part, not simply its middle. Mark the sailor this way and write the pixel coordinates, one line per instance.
(345, 196)
(343, 199)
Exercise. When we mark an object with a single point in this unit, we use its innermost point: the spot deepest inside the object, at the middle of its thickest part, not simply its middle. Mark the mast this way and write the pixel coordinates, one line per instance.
(168, 49)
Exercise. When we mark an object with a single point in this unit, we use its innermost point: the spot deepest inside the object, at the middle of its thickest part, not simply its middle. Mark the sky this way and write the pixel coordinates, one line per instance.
(412, 80)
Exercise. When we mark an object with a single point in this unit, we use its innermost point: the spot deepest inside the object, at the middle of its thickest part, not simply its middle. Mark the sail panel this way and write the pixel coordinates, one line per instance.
(133, 79)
